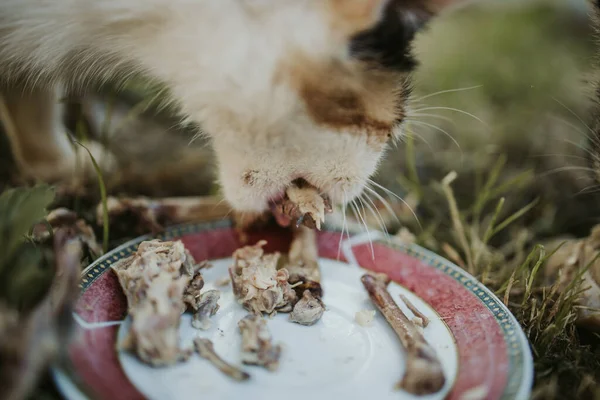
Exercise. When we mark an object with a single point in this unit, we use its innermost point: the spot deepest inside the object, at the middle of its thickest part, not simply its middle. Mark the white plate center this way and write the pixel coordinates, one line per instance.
(335, 357)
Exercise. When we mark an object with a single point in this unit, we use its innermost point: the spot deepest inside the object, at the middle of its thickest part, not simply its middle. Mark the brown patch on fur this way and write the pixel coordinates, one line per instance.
(350, 97)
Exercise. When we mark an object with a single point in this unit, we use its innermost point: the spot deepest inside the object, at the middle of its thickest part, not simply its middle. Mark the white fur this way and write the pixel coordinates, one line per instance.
(220, 60)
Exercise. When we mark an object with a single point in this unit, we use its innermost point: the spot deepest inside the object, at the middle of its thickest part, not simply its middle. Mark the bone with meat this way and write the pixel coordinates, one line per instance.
(424, 373)
(257, 283)
(158, 280)
(305, 276)
(207, 306)
(257, 346)
(308, 310)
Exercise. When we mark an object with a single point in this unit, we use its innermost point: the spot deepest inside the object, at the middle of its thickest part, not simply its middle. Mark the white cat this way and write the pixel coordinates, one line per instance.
(285, 89)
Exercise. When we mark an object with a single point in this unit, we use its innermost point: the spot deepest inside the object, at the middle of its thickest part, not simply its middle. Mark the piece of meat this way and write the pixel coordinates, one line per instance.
(308, 310)
(155, 281)
(257, 346)
(207, 307)
(206, 350)
(304, 204)
(364, 317)
(424, 373)
(191, 295)
(303, 262)
(305, 277)
(154, 332)
(257, 284)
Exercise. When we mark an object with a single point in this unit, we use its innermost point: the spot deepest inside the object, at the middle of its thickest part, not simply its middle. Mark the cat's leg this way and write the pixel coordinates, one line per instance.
(41, 147)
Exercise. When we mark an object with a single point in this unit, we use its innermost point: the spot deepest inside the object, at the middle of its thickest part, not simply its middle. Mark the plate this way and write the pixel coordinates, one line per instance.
(483, 350)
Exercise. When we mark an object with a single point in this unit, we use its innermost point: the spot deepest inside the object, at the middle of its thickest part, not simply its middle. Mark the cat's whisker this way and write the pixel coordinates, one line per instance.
(589, 190)
(385, 203)
(447, 91)
(428, 115)
(220, 202)
(451, 109)
(362, 207)
(375, 212)
(437, 128)
(421, 138)
(194, 138)
(346, 223)
(355, 207)
(399, 198)
(581, 147)
(575, 115)
(567, 168)
(575, 128)
(559, 155)
(344, 201)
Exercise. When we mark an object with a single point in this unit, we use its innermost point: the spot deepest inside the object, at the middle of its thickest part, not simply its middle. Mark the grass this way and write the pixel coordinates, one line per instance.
(103, 200)
(567, 365)
(519, 177)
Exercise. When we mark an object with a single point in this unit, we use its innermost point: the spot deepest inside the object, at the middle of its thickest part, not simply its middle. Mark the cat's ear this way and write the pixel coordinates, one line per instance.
(352, 16)
(388, 42)
(420, 11)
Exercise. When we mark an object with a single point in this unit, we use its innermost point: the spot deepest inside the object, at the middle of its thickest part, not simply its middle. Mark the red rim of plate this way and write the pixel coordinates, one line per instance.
(494, 354)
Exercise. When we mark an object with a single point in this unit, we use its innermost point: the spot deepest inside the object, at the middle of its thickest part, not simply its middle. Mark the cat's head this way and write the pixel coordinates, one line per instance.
(338, 100)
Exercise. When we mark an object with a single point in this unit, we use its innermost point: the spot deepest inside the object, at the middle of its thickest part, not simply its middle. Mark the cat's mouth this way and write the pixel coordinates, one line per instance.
(276, 207)
(300, 204)
(282, 219)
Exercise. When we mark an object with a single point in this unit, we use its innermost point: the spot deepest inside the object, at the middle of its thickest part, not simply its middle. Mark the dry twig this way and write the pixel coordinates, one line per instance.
(415, 310)
(152, 215)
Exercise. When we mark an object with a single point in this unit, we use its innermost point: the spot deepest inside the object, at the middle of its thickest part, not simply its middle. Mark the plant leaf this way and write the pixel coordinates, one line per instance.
(20, 209)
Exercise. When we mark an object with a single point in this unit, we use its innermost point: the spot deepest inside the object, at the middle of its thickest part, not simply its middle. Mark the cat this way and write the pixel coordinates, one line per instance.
(284, 89)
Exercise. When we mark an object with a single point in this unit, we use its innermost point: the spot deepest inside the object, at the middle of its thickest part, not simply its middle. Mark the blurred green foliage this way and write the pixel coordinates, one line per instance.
(24, 278)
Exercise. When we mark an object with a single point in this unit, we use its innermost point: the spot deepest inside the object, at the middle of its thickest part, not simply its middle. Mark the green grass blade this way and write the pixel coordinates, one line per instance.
(103, 196)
